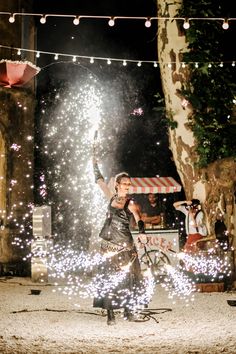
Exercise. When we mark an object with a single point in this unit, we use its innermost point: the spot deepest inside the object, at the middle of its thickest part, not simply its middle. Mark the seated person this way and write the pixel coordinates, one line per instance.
(151, 213)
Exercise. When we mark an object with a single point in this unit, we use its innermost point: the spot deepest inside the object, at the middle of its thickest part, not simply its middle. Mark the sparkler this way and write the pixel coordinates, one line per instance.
(209, 264)
(70, 266)
(66, 263)
(178, 284)
(69, 181)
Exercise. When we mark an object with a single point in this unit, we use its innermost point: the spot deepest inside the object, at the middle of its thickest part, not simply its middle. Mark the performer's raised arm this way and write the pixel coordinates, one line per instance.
(99, 179)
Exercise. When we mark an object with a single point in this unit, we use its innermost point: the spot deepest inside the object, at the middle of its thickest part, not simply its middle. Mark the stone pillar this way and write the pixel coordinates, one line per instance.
(16, 172)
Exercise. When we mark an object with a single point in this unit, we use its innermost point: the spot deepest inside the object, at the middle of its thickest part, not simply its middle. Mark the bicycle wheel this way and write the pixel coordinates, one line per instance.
(156, 260)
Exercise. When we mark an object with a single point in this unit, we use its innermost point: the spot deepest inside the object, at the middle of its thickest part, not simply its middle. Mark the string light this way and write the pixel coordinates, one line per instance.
(148, 23)
(109, 18)
(111, 22)
(74, 58)
(118, 60)
(43, 20)
(12, 19)
(186, 24)
(225, 25)
(76, 20)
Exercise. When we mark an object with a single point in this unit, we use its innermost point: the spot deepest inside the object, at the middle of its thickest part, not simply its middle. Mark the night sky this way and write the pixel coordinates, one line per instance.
(128, 39)
(93, 36)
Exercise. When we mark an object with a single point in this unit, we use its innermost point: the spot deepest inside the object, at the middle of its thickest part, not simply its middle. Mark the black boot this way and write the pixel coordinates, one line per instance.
(110, 317)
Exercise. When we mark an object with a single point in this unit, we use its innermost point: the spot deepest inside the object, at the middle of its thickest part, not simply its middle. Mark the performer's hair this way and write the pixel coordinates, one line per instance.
(119, 177)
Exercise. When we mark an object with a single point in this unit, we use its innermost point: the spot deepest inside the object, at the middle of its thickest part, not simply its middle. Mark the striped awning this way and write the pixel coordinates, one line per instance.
(154, 185)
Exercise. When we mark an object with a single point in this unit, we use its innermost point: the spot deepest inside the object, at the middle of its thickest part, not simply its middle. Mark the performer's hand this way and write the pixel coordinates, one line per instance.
(95, 160)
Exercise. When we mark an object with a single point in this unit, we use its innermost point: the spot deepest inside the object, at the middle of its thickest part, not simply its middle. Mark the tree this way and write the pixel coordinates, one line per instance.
(199, 107)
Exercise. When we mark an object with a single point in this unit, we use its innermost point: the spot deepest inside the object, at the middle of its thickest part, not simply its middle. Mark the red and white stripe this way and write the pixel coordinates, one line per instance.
(154, 185)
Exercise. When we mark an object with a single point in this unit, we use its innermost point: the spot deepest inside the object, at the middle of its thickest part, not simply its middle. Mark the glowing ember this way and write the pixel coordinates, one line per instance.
(137, 112)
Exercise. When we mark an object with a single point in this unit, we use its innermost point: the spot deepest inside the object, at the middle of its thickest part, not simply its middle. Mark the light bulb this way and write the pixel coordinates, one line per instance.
(139, 63)
(111, 22)
(12, 19)
(43, 20)
(56, 57)
(108, 61)
(76, 21)
(186, 24)
(148, 22)
(124, 62)
(155, 64)
(91, 60)
(37, 54)
(18, 52)
(225, 25)
(74, 58)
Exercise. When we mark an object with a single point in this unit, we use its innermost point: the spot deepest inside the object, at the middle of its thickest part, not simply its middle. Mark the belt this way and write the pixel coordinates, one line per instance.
(110, 246)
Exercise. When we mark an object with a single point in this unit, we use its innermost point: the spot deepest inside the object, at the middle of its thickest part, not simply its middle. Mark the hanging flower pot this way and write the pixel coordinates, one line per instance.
(16, 73)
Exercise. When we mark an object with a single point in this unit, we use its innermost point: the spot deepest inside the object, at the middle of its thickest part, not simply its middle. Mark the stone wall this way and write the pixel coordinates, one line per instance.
(16, 136)
(16, 169)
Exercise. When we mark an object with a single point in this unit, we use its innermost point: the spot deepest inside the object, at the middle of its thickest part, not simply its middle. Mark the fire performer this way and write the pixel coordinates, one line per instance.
(117, 240)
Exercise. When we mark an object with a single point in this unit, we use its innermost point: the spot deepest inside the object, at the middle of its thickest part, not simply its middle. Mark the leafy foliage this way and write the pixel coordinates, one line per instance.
(211, 89)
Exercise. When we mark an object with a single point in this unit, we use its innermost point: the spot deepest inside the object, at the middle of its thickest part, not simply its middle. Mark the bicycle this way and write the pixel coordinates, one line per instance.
(155, 260)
